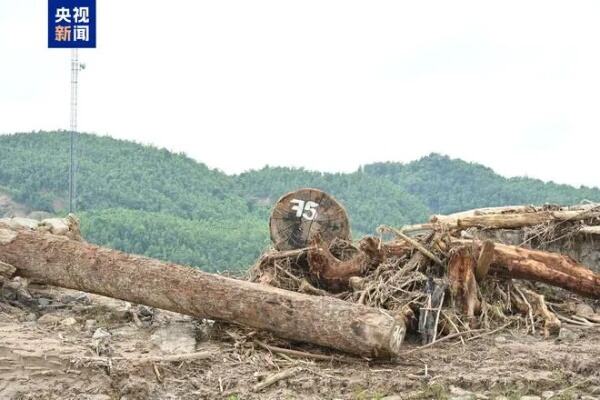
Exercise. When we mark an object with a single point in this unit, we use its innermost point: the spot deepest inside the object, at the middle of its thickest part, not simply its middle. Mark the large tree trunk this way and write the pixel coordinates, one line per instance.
(59, 261)
(541, 266)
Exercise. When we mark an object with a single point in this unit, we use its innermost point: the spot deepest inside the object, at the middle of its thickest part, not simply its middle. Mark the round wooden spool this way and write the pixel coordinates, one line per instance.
(301, 215)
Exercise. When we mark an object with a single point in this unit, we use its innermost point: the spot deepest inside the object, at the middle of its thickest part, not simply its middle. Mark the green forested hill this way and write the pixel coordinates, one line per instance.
(146, 200)
(448, 185)
(132, 197)
(225, 244)
(114, 173)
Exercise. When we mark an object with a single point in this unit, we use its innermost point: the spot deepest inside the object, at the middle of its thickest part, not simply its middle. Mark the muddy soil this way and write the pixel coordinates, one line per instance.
(70, 345)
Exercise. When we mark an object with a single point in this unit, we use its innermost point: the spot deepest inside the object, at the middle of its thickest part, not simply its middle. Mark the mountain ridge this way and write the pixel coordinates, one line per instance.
(143, 199)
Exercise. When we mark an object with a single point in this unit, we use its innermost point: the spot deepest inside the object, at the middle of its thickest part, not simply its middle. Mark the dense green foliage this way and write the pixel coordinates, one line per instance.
(210, 245)
(150, 201)
(114, 173)
(446, 185)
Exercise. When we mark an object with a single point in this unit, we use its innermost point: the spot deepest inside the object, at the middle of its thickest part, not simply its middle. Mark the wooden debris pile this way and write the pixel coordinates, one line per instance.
(456, 276)
(459, 274)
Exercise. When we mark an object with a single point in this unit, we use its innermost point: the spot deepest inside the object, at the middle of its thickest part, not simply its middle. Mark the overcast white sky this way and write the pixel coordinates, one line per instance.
(326, 85)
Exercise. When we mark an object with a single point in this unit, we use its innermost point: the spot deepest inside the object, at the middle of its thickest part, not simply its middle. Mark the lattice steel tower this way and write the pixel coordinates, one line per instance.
(76, 66)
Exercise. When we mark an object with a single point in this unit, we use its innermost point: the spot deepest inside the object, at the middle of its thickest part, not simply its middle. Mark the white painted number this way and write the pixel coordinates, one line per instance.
(305, 209)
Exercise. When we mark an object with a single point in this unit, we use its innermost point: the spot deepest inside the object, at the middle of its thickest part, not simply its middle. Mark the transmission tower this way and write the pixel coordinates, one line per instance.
(76, 66)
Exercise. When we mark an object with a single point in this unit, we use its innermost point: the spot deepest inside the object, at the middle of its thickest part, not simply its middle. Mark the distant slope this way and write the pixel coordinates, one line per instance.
(448, 185)
(146, 200)
(187, 212)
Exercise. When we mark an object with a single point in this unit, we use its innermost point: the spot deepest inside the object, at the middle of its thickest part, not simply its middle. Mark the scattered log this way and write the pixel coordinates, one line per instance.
(462, 282)
(419, 229)
(541, 266)
(270, 380)
(276, 255)
(512, 221)
(306, 287)
(538, 308)
(486, 255)
(59, 261)
(452, 218)
(412, 242)
(590, 230)
(396, 248)
(335, 274)
(515, 219)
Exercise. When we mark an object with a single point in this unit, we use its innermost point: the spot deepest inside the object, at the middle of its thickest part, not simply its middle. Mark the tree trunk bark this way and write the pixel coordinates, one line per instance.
(486, 256)
(512, 221)
(325, 321)
(516, 218)
(462, 283)
(590, 230)
(541, 266)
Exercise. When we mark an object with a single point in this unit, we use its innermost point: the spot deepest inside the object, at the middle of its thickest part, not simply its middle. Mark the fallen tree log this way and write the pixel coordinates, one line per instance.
(412, 242)
(59, 261)
(452, 218)
(590, 230)
(541, 266)
(517, 219)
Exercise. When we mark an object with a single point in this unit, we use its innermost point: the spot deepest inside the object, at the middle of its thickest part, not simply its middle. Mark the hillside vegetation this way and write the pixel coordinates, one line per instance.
(150, 201)
(447, 185)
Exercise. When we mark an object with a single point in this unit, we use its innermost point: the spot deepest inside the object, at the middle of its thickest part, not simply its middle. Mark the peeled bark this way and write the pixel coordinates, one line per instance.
(59, 261)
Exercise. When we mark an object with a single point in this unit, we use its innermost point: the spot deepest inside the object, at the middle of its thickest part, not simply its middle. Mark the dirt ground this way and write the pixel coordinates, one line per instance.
(70, 345)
